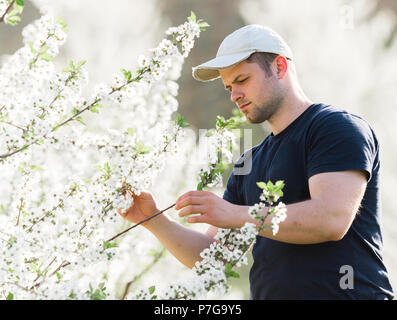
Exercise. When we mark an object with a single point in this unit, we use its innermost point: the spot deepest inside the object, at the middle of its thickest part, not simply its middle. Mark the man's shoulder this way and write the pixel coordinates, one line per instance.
(329, 112)
(329, 116)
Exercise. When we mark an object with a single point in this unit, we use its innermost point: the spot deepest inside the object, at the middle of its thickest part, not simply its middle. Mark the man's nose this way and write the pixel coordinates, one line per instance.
(236, 95)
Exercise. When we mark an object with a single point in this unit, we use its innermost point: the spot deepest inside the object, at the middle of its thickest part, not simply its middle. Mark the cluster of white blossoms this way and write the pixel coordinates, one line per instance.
(34, 96)
(219, 145)
(226, 252)
(191, 28)
(271, 193)
(61, 183)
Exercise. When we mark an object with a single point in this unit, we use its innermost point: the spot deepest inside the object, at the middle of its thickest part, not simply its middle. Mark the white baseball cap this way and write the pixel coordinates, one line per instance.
(238, 46)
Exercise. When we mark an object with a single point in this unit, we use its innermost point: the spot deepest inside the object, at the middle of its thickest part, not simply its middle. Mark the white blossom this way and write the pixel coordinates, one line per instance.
(54, 224)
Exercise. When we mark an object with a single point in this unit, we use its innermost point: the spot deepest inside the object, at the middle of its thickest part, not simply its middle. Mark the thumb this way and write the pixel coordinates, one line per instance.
(120, 212)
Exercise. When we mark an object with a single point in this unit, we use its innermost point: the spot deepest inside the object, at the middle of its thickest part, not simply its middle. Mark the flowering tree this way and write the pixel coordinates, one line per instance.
(62, 183)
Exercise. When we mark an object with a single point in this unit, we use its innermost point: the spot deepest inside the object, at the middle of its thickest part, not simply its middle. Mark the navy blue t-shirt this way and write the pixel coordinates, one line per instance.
(322, 139)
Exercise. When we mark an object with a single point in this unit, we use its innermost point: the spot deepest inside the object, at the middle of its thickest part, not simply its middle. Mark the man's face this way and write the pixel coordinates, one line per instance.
(257, 94)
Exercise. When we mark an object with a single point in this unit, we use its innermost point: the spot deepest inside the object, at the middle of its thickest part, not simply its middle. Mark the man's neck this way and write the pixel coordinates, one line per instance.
(290, 110)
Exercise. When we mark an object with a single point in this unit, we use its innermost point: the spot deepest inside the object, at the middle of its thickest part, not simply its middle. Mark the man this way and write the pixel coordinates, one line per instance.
(330, 245)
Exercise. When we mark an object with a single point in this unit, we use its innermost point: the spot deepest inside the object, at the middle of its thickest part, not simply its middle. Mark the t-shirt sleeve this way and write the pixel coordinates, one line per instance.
(231, 191)
(339, 142)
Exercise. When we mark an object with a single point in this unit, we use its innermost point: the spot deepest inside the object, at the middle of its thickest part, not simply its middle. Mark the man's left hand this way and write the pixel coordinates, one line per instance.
(206, 207)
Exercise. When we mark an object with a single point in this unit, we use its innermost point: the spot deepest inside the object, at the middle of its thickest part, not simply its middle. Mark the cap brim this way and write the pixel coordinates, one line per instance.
(209, 70)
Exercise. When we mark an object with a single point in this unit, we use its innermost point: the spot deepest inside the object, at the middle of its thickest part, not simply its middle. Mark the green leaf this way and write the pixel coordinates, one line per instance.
(131, 131)
(10, 296)
(180, 121)
(20, 3)
(80, 63)
(203, 26)
(233, 274)
(152, 289)
(192, 17)
(280, 183)
(200, 186)
(62, 23)
(261, 185)
(31, 47)
(108, 245)
(94, 109)
(279, 193)
(36, 168)
(127, 74)
(141, 148)
(209, 133)
(220, 122)
(45, 56)
(80, 119)
(13, 20)
(229, 272)
(107, 167)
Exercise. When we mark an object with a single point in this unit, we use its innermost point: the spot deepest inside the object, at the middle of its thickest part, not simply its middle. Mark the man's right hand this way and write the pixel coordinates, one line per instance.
(184, 243)
(143, 207)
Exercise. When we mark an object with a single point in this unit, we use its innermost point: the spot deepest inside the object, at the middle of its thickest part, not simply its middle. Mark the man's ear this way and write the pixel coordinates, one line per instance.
(281, 66)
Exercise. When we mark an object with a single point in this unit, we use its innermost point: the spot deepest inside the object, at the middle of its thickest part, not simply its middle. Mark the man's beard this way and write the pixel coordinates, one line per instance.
(264, 112)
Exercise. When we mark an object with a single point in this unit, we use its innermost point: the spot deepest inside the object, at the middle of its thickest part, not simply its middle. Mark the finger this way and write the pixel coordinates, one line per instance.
(142, 195)
(195, 209)
(132, 194)
(189, 200)
(191, 193)
(202, 218)
(120, 212)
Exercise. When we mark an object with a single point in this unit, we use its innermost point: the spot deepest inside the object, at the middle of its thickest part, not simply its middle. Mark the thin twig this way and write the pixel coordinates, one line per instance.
(136, 278)
(8, 9)
(259, 229)
(34, 60)
(24, 288)
(14, 125)
(62, 265)
(45, 270)
(73, 117)
(19, 211)
(140, 222)
(49, 212)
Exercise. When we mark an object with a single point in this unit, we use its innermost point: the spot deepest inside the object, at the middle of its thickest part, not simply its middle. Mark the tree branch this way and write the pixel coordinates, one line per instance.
(136, 278)
(140, 222)
(5, 12)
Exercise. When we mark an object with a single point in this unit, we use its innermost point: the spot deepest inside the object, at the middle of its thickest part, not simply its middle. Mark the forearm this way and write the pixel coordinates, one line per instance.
(307, 222)
(183, 243)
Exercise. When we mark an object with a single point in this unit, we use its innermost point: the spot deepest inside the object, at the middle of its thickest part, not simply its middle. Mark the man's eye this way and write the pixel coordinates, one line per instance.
(241, 81)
